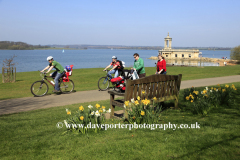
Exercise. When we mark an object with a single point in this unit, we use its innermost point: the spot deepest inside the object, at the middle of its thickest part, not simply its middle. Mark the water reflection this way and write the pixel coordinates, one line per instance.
(190, 63)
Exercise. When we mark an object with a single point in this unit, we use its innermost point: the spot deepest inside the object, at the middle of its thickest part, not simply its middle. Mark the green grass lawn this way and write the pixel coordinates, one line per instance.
(87, 79)
(34, 135)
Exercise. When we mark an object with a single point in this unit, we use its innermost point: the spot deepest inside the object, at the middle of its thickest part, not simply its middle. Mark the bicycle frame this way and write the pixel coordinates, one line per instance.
(45, 78)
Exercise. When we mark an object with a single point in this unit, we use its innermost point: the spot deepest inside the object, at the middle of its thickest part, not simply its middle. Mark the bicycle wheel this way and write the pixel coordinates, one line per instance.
(103, 83)
(39, 88)
(66, 87)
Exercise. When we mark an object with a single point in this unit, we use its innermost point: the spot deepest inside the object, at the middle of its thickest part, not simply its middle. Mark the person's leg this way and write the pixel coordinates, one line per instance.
(53, 75)
(58, 76)
(164, 73)
(116, 74)
(110, 73)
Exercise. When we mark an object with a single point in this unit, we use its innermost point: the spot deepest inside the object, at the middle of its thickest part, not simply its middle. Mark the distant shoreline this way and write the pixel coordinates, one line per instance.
(204, 59)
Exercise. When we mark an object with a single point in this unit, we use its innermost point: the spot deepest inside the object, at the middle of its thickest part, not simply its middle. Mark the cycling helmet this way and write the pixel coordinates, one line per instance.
(68, 68)
(114, 57)
(49, 58)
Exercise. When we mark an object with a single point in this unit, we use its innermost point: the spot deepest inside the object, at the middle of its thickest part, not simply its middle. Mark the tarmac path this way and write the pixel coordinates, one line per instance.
(54, 100)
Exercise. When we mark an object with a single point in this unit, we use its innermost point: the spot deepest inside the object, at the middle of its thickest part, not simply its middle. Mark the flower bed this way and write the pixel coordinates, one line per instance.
(82, 117)
(202, 101)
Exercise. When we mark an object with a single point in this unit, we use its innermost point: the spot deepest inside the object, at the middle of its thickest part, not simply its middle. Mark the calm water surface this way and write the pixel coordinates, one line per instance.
(33, 60)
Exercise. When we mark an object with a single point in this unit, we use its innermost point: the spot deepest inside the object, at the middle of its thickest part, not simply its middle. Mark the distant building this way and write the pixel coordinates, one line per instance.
(170, 53)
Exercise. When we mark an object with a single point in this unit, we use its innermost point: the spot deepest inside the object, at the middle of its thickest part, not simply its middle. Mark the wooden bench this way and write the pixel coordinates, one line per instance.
(163, 87)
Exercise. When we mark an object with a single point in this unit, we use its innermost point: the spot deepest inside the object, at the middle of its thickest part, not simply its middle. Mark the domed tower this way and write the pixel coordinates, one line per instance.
(168, 42)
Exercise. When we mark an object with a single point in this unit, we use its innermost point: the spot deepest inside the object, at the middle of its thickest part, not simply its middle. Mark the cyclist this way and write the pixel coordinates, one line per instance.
(57, 74)
(116, 67)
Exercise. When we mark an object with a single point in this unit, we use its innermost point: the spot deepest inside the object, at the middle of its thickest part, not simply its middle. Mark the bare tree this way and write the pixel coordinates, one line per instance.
(7, 68)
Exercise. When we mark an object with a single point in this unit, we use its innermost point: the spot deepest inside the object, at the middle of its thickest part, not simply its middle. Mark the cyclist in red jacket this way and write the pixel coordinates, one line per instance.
(161, 65)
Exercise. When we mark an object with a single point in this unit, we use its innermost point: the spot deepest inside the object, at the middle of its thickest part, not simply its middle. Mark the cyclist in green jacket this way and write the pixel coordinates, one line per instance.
(139, 65)
(57, 74)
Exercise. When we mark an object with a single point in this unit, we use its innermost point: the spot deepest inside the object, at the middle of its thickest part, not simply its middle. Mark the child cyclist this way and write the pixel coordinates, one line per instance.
(57, 74)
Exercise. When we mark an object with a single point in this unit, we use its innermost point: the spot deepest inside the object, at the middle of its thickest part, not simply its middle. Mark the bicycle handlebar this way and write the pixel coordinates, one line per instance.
(107, 70)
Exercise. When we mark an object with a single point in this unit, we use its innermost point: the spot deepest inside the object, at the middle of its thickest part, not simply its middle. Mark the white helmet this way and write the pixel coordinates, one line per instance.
(49, 58)
(114, 57)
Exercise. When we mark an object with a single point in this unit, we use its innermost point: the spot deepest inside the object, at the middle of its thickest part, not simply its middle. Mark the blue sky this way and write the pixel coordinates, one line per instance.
(203, 23)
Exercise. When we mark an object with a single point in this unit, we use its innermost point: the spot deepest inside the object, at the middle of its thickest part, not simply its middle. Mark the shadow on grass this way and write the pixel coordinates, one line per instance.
(209, 145)
(19, 80)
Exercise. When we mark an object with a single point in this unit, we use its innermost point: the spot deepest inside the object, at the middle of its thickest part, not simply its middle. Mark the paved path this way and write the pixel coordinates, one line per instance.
(33, 103)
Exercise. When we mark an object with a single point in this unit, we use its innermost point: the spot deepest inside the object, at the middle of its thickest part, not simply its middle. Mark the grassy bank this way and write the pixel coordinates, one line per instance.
(87, 79)
(34, 135)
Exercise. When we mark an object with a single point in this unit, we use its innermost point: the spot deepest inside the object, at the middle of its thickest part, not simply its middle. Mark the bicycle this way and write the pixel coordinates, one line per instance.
(40, 88)
(103, 82)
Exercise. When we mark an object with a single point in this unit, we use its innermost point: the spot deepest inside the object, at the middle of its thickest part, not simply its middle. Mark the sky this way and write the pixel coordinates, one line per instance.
(190, 23)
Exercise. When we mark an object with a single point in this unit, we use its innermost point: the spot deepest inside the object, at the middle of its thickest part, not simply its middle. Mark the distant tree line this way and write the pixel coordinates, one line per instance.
(19, 46)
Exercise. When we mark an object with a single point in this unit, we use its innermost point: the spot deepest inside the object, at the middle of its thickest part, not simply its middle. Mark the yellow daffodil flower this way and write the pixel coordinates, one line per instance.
(126, 103)
(81, 108)
(97, 106)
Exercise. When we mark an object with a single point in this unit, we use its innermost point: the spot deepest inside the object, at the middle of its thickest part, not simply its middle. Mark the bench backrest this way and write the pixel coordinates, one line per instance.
(154, 86)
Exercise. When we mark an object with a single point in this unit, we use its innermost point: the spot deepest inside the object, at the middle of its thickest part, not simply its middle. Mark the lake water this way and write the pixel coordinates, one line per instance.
(33, 60)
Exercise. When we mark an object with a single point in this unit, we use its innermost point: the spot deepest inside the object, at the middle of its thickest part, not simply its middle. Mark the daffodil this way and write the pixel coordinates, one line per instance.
(92, 113)
(81, 108)
(223, 90)
(132, 100)
(68, 112)
(81, 118)
(191, 101)
(108, 111)
(218, 85)
(204, 91)
(97, 114)
(90, 106)
(126, 103)
(103, 107)
(226, 86)
(136, 102)
(100, 111)
(187, 98)
(97, 106)
(154, 98)
(146, 102)
(195, 92)
(143, 92)
(142, 113)
(133, 117)
(138, 98)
